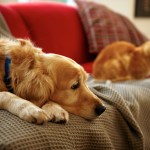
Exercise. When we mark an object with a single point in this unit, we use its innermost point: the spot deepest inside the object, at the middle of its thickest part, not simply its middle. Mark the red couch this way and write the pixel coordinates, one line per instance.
(53, 26)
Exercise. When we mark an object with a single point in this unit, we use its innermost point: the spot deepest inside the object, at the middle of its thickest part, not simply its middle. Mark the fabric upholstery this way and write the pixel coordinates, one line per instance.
(104, 26)
(123, 126)
(88, 66)
(53, 26)
(4, 29)
(15, 22)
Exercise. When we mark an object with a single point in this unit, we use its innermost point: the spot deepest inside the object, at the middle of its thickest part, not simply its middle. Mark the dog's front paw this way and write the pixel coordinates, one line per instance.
(34, 114)
(56, 113)
(59, 116)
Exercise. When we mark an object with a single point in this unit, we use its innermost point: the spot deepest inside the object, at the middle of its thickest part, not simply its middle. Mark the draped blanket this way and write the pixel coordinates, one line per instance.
(132, 100)
(123, 126)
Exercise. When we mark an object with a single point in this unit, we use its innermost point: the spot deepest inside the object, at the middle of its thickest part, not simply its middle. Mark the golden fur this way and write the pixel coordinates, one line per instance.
(122, 61)
(46, 86)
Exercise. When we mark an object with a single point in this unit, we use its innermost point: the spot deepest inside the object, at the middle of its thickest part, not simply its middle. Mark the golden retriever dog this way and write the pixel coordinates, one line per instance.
(39, 87)
(122, 61)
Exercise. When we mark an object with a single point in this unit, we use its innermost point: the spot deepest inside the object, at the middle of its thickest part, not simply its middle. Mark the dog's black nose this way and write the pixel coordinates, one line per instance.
(100, 109)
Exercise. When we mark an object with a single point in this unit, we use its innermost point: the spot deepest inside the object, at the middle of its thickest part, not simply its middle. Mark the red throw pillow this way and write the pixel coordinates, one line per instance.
(104, 26)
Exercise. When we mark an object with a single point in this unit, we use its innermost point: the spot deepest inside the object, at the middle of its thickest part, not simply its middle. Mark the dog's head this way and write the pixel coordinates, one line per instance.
(56, 78)
(70, 89)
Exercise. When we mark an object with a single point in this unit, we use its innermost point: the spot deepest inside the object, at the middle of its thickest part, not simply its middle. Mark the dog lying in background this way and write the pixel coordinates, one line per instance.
(41, 87)
(122, 61)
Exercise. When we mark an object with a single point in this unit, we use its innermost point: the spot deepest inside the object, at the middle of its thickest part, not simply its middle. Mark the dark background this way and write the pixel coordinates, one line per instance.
(142, 8)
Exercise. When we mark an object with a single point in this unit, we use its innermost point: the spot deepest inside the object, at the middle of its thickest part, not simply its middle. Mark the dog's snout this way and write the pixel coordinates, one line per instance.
(100, 109)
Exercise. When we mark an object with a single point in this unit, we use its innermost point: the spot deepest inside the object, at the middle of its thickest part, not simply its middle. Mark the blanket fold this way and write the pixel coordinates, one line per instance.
(131, 98)
(4, 29)
(123, 126)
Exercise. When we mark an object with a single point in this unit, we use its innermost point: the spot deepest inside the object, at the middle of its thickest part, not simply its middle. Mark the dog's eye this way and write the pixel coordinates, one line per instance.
(75, 86)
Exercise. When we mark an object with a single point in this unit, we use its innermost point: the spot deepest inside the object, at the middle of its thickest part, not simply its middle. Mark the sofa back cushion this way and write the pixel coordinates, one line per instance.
(55, 27)
(14, 22)
(104, 26)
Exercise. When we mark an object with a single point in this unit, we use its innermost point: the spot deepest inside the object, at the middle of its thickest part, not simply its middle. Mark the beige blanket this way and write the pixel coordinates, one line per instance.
(124, 125)
(132, 100)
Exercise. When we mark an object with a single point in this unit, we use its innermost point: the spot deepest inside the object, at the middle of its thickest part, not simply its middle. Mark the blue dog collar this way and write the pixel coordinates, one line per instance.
(7, 79)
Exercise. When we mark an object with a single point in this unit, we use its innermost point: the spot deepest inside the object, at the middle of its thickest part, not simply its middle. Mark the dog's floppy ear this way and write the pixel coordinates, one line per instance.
(42, 88)
(36, 87)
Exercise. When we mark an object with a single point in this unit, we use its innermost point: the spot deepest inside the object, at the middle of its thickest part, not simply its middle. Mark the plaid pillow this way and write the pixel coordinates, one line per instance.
(104, 26)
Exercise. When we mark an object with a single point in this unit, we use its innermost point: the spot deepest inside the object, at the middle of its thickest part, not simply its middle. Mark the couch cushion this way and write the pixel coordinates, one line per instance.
(55, 27)
(14, 21)
(104, 26)
(88, 66)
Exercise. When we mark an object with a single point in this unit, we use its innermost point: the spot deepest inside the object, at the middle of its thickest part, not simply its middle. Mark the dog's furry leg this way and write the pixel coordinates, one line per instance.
(22, 108)
(55, 112)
